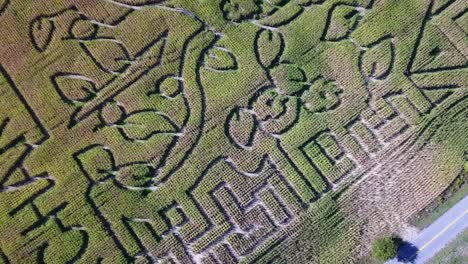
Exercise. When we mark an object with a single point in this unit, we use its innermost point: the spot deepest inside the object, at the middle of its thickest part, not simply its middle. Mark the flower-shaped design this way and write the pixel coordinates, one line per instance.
(321, 96)
(269, 112)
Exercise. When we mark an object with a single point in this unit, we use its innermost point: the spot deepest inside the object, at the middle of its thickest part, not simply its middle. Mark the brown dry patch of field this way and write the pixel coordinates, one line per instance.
(404, 184)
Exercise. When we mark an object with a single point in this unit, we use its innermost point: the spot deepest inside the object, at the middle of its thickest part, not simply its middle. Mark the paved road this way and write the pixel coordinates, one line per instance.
(436, 236)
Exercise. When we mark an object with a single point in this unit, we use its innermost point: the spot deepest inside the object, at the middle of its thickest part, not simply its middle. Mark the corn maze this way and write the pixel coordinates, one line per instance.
(224, 131)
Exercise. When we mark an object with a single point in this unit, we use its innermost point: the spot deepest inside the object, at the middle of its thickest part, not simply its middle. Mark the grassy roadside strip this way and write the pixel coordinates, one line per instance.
(456, 252)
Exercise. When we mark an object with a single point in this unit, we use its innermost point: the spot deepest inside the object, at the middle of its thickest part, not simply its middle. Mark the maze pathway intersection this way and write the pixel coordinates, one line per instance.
(160, 131)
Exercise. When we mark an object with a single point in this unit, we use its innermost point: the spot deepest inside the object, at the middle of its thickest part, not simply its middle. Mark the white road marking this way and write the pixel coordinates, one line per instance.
(443, 230)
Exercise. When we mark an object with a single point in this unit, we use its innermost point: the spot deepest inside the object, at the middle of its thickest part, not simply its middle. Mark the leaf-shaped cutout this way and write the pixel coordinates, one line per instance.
(169, 86)
(135, 175)
(288, 78)
(377, 60)
(241, 127)
(112, 113)
(74, 88)
(269, 45)
(42, 30)
(83, 29)
(341, 21)
(110, 55)
(220, 59)
(280, 16)
(97, 162)
(143, 125)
